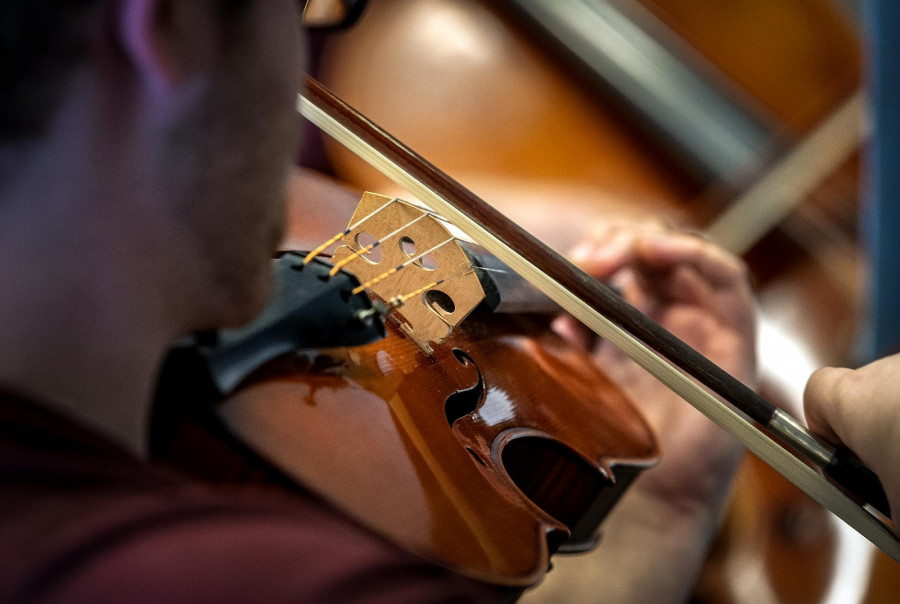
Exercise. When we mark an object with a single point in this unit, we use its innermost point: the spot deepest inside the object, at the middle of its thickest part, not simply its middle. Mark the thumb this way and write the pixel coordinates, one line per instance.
(824, 404)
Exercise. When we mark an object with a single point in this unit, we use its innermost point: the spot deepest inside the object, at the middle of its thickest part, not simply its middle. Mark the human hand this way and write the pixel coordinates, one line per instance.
(655, 540)
(860, 409)
(702, 295)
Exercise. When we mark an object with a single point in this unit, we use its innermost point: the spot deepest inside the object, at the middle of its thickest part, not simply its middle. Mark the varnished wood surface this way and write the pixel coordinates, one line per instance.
(463, 86)
(797, 59)
(367, 429)
(489, 101)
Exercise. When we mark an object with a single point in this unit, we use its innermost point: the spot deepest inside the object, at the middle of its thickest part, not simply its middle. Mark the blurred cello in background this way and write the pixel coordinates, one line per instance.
(667, 109)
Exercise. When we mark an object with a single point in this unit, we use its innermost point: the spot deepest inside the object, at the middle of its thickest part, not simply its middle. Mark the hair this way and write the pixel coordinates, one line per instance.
(41, 43)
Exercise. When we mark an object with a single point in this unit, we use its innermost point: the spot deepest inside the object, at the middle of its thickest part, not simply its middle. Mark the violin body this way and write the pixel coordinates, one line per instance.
(485, 456)
(464, 419)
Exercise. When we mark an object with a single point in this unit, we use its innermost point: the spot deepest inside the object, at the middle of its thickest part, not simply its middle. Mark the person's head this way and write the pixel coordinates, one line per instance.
(182, 112)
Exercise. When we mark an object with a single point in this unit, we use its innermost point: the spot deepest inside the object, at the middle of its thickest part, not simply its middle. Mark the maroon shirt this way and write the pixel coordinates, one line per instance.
(82, 520)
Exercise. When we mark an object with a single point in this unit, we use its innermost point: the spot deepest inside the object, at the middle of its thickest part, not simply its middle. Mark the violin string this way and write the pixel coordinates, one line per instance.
(309, 257)
(400, 300)
(398, 268)
(365, 250)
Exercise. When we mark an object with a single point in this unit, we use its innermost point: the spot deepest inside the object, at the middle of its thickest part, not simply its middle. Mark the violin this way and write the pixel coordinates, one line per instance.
(512, 107)
(484, 445)
(268, 411)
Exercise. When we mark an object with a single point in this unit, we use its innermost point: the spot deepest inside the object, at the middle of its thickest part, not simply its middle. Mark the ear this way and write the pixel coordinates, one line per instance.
(169, 41)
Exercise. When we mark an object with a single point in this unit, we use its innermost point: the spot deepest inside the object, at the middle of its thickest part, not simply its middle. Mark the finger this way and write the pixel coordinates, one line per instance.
(733, 307)
(664, 250)
(822, 403)
(650, 286)
(654, 269)
(632, 289)
(574, 331)
(691, 270)
(610, 247)
(652, 248)
(678, 284)
(603, 258)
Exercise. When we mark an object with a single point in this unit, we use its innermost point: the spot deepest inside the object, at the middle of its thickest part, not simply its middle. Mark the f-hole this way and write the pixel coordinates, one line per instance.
(553, 477)
(463, 402)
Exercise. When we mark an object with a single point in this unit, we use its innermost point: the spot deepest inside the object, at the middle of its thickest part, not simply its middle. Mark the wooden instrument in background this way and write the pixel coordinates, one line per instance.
(497, 103)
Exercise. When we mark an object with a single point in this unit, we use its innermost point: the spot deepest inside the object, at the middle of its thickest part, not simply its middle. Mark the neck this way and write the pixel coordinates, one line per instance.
(99, 379)
(83, 334)
(81, 347)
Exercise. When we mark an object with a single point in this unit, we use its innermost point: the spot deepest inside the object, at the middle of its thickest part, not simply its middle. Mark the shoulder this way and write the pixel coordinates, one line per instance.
(81, 521)
(180, 545)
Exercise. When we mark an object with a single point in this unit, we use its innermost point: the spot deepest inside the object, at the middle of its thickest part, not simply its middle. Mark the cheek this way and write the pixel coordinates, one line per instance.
(285, 62)
(284, 43)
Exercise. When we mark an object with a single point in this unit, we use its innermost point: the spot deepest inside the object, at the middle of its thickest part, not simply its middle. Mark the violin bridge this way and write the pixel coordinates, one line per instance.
(416, 260)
